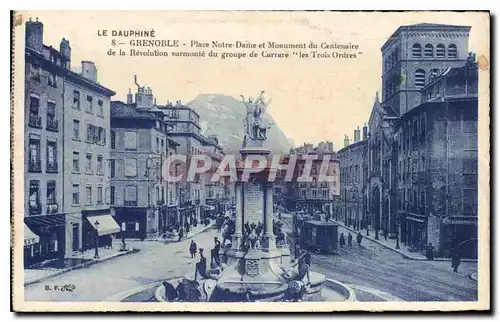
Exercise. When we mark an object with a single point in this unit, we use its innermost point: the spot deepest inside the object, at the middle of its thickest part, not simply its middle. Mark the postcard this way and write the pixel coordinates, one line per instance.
(247, 161)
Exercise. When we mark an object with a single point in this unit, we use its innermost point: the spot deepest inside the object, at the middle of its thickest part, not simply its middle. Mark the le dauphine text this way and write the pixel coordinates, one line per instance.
(144, 43)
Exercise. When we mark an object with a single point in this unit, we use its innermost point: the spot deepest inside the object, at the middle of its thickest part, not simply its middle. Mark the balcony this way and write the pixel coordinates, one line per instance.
(52, 124)
(35, 121)
(160, 202)
(52, 207)
(52, 167)
(35, 166)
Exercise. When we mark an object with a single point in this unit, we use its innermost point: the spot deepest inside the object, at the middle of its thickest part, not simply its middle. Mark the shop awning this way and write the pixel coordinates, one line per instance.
(104, 224)
(30, 237)
(208, 207)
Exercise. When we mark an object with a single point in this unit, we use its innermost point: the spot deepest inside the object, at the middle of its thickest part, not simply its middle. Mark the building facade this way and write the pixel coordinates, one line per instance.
(67, 122)
(421, 160)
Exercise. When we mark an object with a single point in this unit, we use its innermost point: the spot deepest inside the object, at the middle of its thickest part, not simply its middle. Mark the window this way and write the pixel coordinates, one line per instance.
(131, 167)
(76, 194)
(51, 192)
(34, 198)
(76, 161)
(452, 51)
(99, 195)
(130, 196)
(99, 164)
(51, 116)
(76, 99)
(88, 194)
(89, 106)
(91, 133)
(469, 117)
(416, 51)
(469, 201)
(88, 167)
(35, 163)
(157, 145)
(419, 78)
(51, 156)
(34, 119)
(113, 139)
(162, 145)
(112, 195)
(428, 51)
(101, 135)
(100, 104)
(130, 140)
(440, 51)
(76, 129)
(52, 79)
(34, 72)
(112, 168)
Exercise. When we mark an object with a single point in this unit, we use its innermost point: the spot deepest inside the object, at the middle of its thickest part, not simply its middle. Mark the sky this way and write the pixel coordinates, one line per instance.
(313, 100)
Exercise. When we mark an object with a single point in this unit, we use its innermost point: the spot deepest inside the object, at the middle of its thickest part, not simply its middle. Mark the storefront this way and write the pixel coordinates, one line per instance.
(459, 234)
(132, 221)
(31, 245)
(49, 241)
(104, 226)
(416, 231)
(100, 221)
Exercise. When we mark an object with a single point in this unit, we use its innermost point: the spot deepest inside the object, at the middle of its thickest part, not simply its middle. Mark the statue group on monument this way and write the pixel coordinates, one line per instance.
(256, 124)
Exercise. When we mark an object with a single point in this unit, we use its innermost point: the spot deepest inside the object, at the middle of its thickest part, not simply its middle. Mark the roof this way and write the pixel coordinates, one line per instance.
(124, 111)
(424, 27)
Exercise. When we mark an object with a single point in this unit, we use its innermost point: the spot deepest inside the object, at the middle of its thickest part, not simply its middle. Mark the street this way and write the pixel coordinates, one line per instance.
(379, 268)
(155, 262)
(371, 267)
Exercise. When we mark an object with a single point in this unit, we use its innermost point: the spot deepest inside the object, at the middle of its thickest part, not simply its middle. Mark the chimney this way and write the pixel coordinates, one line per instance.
(34, 35)
(357, 134)
(65, 50)
(365, 132)
(89, 71)
(130, 97)
(346, 140)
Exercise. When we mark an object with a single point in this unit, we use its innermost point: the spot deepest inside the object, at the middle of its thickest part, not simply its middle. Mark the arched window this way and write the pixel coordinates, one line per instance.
(416, 51)
(419, 78)
(452, 51)
(429, 51)
(433, 73)
(440, 51)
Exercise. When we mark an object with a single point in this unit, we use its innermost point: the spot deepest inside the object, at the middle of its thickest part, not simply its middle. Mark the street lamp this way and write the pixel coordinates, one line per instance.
(96, 254)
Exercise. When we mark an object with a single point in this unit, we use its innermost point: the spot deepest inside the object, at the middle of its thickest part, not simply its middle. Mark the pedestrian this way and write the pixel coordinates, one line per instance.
(215, 252)
(342, 240)
(385, 233)
(349, 240)
(181, 233)
(192, 249)
(429, 253)
(455, 259)
(170, 292)
(359, 237)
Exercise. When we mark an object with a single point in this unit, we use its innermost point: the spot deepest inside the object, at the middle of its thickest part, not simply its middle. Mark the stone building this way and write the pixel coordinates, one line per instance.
(421, 160)
(67, 121)
(437, 164)
(315, 195)
(351, 204)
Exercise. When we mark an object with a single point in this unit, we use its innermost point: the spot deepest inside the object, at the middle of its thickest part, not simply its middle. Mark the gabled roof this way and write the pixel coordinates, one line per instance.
(124, 111)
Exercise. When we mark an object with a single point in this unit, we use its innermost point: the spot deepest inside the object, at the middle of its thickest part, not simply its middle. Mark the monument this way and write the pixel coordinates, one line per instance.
(256, 269)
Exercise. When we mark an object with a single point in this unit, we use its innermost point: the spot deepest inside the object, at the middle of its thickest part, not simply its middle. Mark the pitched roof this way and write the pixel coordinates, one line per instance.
(124, 111)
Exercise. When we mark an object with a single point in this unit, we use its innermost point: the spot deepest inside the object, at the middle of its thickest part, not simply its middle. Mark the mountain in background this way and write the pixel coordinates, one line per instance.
(223, 116)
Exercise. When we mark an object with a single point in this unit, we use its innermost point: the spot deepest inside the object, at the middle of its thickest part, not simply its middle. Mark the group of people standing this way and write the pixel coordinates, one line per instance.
(342, 243)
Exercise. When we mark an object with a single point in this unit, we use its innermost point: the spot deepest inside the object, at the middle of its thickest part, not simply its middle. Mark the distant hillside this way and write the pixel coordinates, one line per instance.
(223, 116)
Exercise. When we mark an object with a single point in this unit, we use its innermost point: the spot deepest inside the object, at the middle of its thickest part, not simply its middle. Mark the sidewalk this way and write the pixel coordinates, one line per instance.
(193, 232)
(78, 260)
(391, 244)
